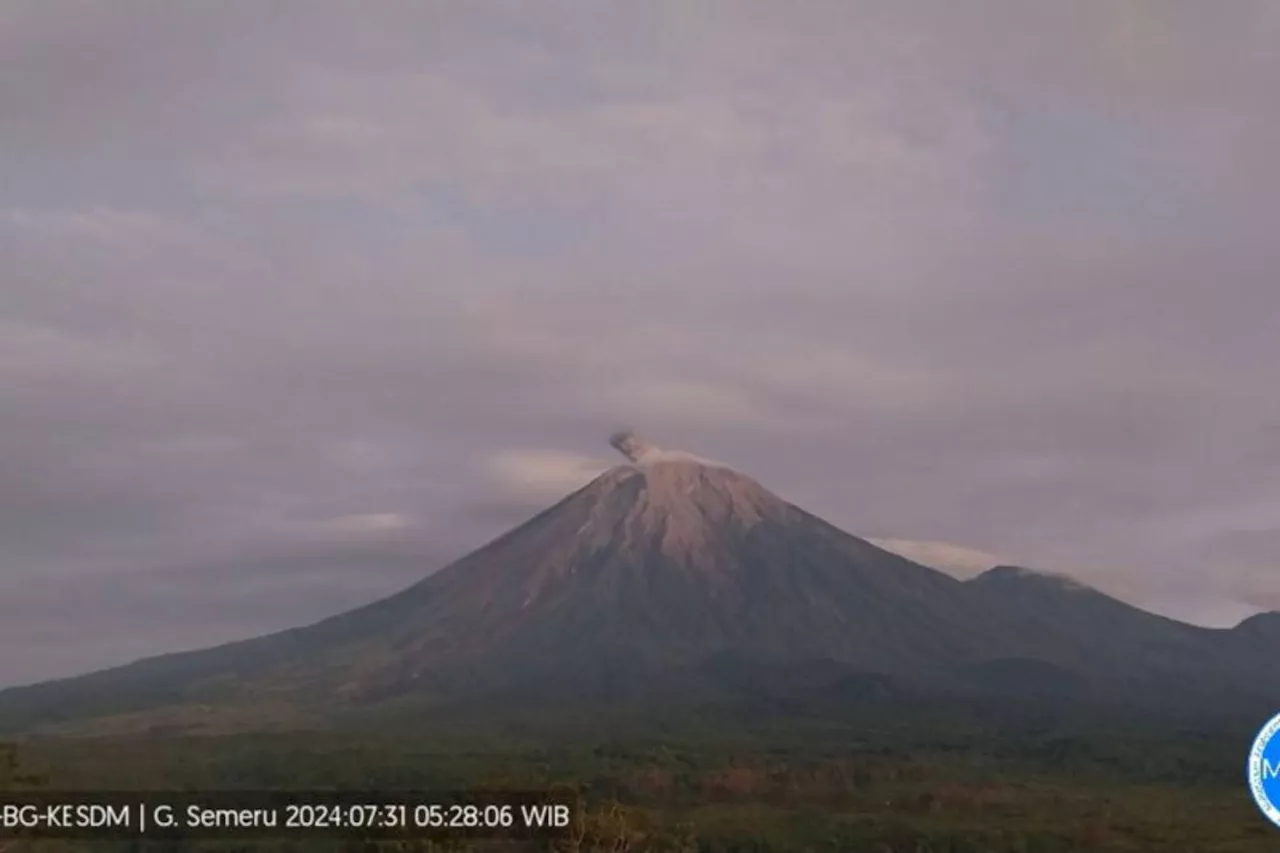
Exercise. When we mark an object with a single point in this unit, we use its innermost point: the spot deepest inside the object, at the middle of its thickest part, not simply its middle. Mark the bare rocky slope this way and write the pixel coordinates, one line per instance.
(675, 573)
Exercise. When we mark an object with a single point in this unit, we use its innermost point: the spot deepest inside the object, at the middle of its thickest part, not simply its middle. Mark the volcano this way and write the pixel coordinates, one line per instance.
(671, 568)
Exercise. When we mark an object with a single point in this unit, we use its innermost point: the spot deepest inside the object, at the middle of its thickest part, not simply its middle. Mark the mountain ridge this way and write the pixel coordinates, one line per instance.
(656, 569)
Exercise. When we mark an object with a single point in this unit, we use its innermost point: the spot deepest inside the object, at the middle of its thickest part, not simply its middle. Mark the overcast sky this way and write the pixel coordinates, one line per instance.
(300, 300)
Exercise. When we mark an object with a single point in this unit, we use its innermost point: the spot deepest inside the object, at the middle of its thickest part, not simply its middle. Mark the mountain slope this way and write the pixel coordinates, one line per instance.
(661, 563)
(1094, 630)
(651, 574)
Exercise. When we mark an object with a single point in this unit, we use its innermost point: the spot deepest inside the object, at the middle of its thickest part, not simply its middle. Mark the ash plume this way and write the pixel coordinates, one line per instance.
(631, 445)
(642, 453)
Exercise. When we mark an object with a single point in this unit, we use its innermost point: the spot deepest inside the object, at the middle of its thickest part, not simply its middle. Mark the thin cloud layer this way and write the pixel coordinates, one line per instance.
(300, 300)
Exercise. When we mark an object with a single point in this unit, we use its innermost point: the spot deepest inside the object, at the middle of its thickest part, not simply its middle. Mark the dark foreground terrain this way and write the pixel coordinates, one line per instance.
(912, 781)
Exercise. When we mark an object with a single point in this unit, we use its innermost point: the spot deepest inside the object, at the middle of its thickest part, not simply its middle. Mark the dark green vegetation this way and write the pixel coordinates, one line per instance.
(880, 783)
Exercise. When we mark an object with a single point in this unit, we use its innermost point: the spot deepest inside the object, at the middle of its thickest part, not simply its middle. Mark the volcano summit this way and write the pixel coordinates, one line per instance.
(663, 569)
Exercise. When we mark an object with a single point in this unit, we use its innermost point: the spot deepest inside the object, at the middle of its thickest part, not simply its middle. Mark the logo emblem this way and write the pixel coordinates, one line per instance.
(1264, 770)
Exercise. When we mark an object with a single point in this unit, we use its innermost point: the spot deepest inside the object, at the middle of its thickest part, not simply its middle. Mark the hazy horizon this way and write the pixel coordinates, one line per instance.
(303, 300)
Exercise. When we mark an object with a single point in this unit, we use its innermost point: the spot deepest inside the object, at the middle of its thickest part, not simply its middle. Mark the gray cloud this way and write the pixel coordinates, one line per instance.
(992, 274)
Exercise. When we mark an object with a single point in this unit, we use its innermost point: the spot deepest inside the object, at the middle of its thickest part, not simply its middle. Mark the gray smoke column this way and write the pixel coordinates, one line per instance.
(642, 453)
(631, 445)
